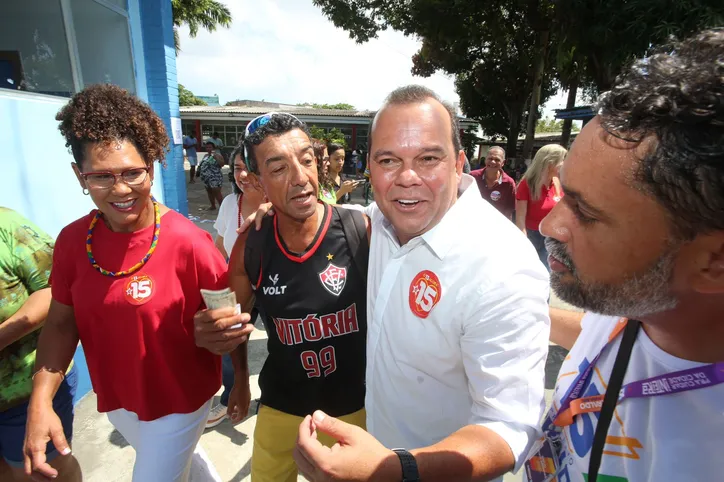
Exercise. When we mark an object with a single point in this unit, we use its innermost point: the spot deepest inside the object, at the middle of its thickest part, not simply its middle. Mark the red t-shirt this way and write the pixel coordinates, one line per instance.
(137, 331)
(501, 195)
(539, 209)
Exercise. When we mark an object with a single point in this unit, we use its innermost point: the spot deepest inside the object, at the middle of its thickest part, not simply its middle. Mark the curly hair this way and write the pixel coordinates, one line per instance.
(676, 96)
(319, 147)
(278, 123)
(104, 113)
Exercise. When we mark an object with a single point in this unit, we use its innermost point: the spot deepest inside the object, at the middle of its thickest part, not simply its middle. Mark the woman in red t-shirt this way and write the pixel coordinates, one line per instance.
(125, 282)
(538, 192)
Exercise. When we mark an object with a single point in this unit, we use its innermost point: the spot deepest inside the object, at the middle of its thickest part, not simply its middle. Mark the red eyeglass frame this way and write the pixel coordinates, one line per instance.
(116, 177)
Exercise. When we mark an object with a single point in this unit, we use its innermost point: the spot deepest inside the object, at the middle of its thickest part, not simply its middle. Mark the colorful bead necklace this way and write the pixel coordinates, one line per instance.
(139, 265)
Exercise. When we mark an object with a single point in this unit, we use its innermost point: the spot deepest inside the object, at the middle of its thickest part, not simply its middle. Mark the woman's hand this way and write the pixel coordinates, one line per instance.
(43, 426)
(256, 218)
(239, 400)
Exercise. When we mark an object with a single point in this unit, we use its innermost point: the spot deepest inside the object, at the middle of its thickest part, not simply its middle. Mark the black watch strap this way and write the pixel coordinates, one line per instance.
(409, 466)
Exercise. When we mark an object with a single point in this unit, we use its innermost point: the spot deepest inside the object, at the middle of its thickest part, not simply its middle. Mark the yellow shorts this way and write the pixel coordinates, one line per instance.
(274, 438)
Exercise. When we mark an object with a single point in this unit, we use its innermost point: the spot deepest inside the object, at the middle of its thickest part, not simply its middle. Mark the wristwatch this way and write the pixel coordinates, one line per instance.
(409, 466)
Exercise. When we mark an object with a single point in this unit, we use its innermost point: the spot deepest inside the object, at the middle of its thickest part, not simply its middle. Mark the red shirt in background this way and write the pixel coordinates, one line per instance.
(539, 209)
(501, 195)
(137, 331)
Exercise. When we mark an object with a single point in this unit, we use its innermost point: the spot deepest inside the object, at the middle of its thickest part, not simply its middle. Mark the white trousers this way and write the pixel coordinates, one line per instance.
(165, 447)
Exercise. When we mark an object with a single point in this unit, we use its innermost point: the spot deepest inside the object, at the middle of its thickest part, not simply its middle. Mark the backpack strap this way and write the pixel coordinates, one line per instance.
(355, 230)
(257, 251)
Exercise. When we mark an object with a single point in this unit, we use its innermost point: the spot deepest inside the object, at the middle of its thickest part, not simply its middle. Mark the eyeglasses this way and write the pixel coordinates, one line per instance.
(262, 120)
(106, 179)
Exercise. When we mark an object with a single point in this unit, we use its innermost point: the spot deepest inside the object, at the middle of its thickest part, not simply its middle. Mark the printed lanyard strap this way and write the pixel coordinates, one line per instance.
(670, 383)
(581, 381)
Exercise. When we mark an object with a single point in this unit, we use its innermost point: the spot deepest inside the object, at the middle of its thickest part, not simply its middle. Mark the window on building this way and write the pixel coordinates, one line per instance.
(33, 48)
(38, 52)
(188, 128)
(108, 61)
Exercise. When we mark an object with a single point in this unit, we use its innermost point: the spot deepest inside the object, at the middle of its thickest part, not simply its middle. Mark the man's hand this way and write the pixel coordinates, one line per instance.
(43, 426)
(212, 329)
(239, 400)
(357, 455)
(256, 218)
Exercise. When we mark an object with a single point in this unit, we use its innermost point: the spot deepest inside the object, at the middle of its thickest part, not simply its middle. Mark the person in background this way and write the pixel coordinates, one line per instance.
(458, 335)
(26, 256)
(638, 241)
(210, 174)
(237, 206)
(496, 187)
(326, 186)
(127, 286)
(336, 165)
(538, 192)
(218, 142)
(190, 146)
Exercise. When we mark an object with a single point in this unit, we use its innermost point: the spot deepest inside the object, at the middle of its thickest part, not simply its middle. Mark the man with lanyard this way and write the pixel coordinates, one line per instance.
(457, 336)
(495, 185)
(638, 240)
(306, 269)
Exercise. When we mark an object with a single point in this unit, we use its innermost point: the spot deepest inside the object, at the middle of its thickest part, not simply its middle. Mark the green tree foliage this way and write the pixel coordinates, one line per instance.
(206, 14)
(340, 106)
(328, 135)
(186, 97)
(552, 125)
(490, 46)
(608, 35)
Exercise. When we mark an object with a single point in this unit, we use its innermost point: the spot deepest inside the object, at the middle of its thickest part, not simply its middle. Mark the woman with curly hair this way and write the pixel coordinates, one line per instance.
(125, 282)
(326, 185)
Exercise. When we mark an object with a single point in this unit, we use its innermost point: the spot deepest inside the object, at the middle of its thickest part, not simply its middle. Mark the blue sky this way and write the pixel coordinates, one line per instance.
(287, 51)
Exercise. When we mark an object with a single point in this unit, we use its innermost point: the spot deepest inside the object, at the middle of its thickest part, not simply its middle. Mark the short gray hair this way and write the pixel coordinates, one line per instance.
(417, 94)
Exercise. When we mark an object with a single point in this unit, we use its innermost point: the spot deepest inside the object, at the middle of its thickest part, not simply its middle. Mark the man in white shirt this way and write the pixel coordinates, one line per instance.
(458, 337)
(639, 235)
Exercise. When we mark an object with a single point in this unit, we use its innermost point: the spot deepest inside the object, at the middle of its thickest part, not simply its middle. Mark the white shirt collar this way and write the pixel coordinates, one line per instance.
(442, 237)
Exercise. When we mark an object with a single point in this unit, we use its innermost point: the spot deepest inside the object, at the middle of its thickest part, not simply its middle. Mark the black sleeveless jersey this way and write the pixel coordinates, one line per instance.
(314, 307)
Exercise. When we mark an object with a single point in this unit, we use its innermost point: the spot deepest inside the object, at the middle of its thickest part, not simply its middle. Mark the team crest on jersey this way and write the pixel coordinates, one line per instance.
(139, 289)
(333, 279)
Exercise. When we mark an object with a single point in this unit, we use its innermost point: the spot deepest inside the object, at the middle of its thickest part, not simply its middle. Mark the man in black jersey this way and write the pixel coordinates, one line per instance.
(306, 271)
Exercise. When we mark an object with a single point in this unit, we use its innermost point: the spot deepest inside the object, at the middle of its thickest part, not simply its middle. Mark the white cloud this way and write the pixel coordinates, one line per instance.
(287, 51)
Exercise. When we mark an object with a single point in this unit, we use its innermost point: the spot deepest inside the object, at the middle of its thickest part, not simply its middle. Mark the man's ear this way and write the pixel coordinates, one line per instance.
(460, 163)
(76, 171)
(709, 264)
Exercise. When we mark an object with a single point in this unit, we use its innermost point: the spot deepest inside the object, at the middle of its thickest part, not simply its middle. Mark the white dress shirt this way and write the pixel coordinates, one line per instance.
(478, 355)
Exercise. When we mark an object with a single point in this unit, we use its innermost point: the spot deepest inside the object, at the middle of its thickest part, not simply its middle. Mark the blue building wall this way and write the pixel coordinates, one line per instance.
(162, 84)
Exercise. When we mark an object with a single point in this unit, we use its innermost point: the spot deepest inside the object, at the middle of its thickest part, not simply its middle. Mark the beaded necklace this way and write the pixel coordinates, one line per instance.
(137, 266)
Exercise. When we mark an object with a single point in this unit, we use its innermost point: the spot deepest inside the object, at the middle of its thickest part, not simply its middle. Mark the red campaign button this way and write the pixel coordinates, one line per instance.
(139, 289)
(425, 292)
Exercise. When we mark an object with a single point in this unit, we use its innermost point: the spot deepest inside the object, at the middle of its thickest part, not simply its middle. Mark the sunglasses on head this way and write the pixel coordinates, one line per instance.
(262, 120)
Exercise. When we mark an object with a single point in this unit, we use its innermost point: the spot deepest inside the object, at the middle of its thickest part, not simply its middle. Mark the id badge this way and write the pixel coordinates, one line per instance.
(543, 465)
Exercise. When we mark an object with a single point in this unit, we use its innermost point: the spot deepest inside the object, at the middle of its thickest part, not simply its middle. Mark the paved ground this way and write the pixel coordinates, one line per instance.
(106, 457)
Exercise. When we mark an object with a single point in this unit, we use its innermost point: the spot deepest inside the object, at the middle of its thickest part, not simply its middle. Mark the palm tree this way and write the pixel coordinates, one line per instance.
(207, 14)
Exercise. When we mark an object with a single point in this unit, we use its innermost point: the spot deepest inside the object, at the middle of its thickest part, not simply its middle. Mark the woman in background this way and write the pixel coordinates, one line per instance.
(336, 164)
(326, 186)
(245, 199)
(210, 174)
(538, 192)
